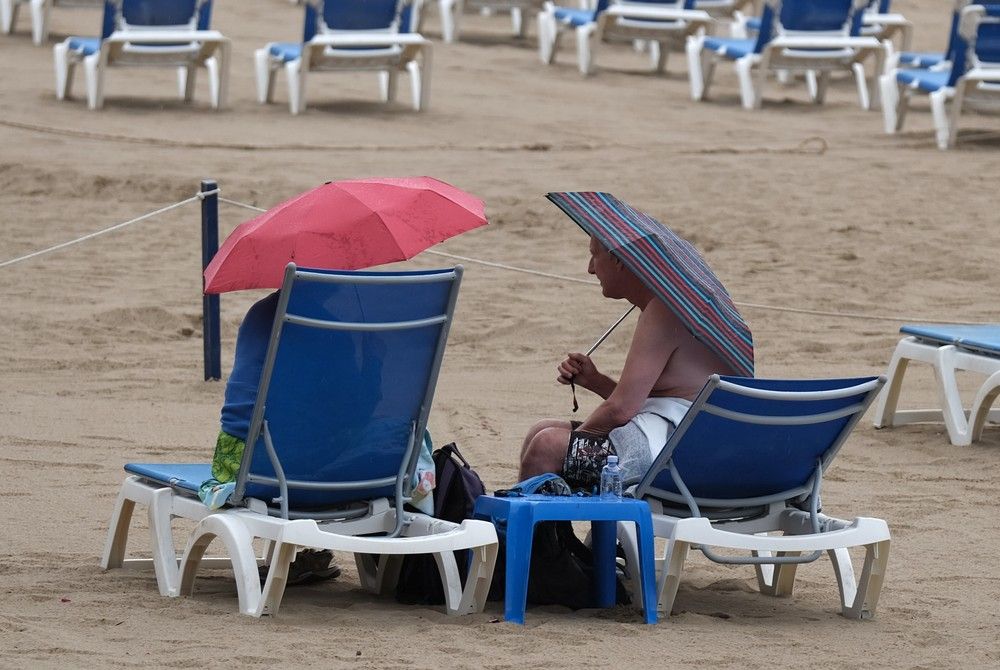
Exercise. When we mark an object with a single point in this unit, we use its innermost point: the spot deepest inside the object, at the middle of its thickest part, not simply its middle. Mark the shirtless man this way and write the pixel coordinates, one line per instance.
(664, 370)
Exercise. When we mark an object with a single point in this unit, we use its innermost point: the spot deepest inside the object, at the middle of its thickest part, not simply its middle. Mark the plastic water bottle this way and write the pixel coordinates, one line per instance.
(611, 480)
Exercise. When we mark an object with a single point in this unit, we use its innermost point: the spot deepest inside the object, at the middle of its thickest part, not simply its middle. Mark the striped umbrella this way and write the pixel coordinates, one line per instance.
(672, 269)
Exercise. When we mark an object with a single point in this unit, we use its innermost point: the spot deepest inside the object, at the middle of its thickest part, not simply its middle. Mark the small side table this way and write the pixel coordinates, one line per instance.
(521, 513)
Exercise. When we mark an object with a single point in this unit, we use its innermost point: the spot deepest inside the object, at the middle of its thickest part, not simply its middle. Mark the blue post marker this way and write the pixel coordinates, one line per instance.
(211, 336)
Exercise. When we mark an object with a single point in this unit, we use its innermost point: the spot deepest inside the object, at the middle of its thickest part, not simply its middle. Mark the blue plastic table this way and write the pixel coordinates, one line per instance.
(521, 513)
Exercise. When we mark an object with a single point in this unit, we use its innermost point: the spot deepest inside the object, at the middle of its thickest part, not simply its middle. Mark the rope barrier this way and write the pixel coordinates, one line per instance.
(499, 266)
(98, 233)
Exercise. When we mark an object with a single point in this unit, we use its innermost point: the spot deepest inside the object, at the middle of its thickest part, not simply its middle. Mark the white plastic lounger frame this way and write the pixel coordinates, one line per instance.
(182, 47)
(977, 88)
(386, 51)
(749, 525)
(810, 52)
(371, 529)
(451, 14)
(964, 426)
(40, 10)
(661, 28)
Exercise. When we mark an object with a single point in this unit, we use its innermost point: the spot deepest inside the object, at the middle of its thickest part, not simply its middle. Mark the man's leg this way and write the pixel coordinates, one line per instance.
(545, 448)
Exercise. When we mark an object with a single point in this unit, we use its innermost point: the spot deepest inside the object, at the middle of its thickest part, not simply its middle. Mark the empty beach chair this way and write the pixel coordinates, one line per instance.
(664, 25)
(810, 36)
(948, 349)
(145, 33)
(349, 35)
(971, 77)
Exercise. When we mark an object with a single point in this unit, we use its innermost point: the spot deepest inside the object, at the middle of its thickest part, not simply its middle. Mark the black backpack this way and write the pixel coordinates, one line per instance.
(457, 487)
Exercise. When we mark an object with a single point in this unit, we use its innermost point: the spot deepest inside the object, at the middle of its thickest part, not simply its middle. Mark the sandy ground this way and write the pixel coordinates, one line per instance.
(794, 205)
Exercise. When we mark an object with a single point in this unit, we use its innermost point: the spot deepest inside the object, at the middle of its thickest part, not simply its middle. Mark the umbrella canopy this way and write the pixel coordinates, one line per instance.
(343, 225)
(670, 267)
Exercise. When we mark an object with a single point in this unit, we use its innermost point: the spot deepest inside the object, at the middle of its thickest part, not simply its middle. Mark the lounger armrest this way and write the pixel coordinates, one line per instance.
(658, 13)
(166, 36)
(886, 20)
(369, 40)
(831, 42)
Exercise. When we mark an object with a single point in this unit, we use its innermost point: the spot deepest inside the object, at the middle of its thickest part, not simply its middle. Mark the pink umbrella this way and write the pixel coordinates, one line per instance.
(343, 225)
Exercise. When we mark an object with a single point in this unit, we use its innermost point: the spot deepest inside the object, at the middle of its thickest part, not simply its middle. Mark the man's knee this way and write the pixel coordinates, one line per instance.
(546, 451)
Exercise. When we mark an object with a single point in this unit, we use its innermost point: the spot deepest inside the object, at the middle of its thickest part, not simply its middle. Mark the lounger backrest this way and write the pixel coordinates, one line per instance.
(751, 441)
(808, 16)
(977, 43)
(347, 384)
(183, 14)
(332, 15)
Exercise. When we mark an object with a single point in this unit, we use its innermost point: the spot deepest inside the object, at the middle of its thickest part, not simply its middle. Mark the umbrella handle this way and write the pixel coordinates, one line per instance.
(593, 347)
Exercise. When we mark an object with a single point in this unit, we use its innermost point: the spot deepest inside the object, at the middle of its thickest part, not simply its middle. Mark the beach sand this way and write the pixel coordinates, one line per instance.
(795, 206)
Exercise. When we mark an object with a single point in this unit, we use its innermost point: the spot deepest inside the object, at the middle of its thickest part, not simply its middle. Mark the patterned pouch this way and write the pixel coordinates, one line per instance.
(585, 457)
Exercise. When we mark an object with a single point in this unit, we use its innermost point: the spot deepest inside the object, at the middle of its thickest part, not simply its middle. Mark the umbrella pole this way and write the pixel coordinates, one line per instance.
(603, 337)
(594, 346)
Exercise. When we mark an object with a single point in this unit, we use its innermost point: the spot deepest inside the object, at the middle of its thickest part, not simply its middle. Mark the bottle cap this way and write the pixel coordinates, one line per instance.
(612, 460)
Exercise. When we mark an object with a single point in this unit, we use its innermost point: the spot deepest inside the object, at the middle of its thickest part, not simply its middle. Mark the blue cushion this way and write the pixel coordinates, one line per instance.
(921, 59)
(286, 51)
(730, 47)
(985, 338)
(753, 24)
(185, 476)
(574, 17)
(85, 46)
(925, 80)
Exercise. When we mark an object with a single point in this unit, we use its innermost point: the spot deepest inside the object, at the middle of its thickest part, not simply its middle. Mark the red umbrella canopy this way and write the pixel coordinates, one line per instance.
(343, 225)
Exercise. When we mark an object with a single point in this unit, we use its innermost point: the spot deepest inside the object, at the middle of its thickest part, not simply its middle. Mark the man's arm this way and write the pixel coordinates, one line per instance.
(653, 343)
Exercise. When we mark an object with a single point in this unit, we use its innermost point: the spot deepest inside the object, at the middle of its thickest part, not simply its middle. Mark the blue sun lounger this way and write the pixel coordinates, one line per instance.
(148, 33)
(748, 460)
(948, 349)
(333, 443)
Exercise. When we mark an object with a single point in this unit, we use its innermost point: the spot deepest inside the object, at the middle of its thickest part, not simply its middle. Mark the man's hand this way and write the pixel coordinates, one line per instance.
(580, 370)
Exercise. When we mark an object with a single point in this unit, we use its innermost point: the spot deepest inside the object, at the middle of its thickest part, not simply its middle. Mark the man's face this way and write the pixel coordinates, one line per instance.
(604, 266)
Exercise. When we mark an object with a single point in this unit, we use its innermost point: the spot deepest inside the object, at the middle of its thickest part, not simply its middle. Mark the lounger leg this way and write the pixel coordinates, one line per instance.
(214, 82)
(479, 579)
(517, 21)
(378, 573)
(584, 49)
(451, 581)
(890, 102)
(447, 10)
(862, 83)
(416, 85)
(420, 78)
(888, 399)
(548, 37)
(265, 72)
(277, 579)
(822, 84)
(985, 397)
(658, 54)
(121, 518)
(162, 538)
(957, 102)
(296, 87)
(39, 21)
(221, 58)
(776, 579)
(94, 66)
(743, 71)
(954, 416)
(629, 542)
(387, 85)
(8, 15)
(185, 82)
(239, 546)
(696, 59)
(64, 70)
(865, 599)
(942, 123)
(670, 576)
